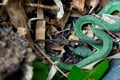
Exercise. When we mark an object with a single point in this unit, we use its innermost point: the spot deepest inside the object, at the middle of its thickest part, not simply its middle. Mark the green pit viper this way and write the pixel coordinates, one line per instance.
(106, 47)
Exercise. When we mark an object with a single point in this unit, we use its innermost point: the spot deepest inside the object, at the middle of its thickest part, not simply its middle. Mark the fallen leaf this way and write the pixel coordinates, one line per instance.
(103, 2)
(94, 4)
(73, 36)
(40, 25)
(79, 5)
(54, 30)
(41, 71)
(95, 74)
(55, 22)
(59, 4)
(57, 47)
(76, 74)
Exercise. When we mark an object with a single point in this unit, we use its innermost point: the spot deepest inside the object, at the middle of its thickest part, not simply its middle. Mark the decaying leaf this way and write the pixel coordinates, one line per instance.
(55, 22)
(93, 4)
(59, 4)
(40, 26)
(79, 5)
(14, 9)
(57, 47)
(73, 36)
(103, 2)
(55, 33)
(54, 30)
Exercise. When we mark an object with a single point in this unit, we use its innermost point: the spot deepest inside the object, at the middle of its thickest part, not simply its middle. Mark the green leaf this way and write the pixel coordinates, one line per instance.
(95, 74)
(77, 74)
(41, 71)
(57, 76)
(98, 71)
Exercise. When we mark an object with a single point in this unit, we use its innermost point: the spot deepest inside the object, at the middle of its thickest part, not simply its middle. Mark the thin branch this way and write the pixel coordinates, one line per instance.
(60, 71)
(48, 58)
(43, 53)
(54, 8)
(66, 42)
(32, 19)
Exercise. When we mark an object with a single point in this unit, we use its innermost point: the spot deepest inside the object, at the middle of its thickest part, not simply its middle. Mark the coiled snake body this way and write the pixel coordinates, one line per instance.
(102, 50)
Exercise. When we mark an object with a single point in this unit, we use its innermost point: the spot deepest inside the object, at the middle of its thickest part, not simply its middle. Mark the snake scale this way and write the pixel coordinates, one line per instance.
(106, 47)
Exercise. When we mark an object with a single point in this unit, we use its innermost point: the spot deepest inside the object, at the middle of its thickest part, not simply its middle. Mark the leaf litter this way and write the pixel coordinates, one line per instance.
(47, 28)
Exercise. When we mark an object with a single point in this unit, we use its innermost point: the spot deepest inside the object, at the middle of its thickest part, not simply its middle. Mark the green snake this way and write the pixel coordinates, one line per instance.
(106, 47)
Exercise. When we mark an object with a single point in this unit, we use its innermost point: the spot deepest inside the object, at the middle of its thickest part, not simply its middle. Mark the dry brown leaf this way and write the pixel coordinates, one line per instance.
(94, 4)
(54, 30)
(40, 26)
(103, 2)
(59, 4)
(19, 19)
(79, 4)
(57, 48)
(55, 22)
(73, 36)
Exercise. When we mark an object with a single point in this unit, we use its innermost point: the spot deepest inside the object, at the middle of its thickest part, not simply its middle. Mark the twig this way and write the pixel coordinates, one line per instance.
(66, 42)
(48, 58)
(65, 18)
(60, 32)
(43, 53)
(60, 71)
(54, 8)
(32, 19)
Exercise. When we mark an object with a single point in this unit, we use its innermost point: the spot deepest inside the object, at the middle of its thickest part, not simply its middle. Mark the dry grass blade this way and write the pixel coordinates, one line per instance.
(48, 58)
(40, 26)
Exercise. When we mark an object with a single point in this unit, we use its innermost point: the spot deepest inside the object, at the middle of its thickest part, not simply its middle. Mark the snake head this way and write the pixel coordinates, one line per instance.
(83, 51)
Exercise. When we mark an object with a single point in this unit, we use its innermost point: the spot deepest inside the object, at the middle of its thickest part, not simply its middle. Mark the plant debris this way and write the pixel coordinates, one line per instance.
(36, 30)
